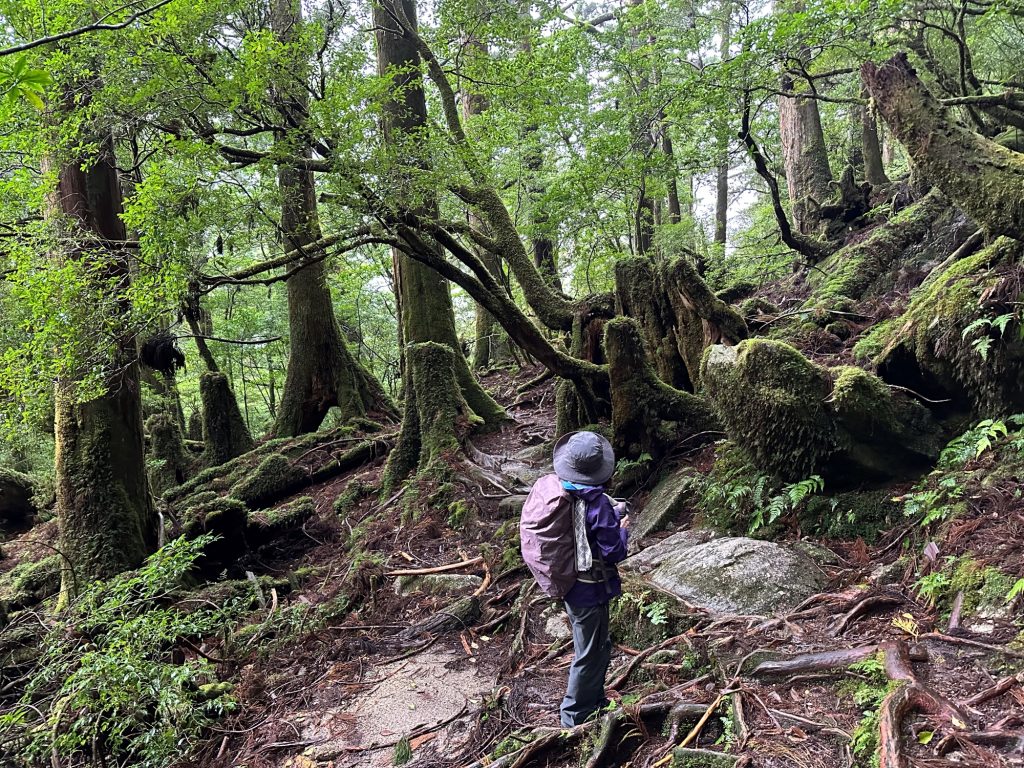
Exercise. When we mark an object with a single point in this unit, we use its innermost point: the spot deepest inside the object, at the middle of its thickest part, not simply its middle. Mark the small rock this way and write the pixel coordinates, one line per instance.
(886, 575)
(819, 554)
(511, 506)
(702, 758)
(436, 584)
(556, 623)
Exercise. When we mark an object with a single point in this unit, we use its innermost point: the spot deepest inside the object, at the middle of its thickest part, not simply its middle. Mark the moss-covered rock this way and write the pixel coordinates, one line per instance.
(669, 499)
(948, 344)
(795, 418)
(266, 525)
(852, 514)
(274, 478)
(29, 583)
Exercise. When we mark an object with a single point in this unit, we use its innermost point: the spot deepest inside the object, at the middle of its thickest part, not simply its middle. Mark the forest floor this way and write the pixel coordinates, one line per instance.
(367, 689)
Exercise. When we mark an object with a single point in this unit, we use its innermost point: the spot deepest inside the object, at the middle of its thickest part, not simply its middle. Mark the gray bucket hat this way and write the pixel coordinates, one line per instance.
(585, 458)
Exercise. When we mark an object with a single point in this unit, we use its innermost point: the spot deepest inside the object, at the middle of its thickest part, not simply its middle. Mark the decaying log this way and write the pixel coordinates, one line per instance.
(457, 616)
(978, 175)
(813, 662)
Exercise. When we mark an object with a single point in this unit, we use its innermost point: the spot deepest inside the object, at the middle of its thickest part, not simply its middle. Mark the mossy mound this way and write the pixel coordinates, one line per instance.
(29, 583)
(269, 524)
(273, 479)
(224, 430)
(960, 340)
(796, 419)
(851, 515)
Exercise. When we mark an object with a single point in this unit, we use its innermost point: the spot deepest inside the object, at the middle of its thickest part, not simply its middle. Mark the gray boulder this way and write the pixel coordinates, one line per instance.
(666, 502)
(731, 575)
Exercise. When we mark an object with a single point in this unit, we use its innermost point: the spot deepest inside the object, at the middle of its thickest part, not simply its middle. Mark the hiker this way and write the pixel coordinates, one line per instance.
(572, 534)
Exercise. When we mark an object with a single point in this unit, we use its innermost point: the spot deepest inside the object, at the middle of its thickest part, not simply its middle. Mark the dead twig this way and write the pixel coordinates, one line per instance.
(435, 569)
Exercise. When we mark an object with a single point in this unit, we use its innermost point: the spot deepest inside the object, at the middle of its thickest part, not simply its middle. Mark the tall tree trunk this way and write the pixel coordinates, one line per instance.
(722, 171)
(978, 175)
(424, 301)
(804, 158)
(489, 346)
(105, 513)
(540, 238)
(874, 168)
(322, 373)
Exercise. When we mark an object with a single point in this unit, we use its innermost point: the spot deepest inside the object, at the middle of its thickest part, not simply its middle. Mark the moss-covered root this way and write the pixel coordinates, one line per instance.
(273, 479)
(701, 318)
(224, 518)
(948, 344)
(851, 271)
(437, 418)
(267, 525)
(795, 418)
(978, 175)
(640, 400)
(224, 431)
(169, 465)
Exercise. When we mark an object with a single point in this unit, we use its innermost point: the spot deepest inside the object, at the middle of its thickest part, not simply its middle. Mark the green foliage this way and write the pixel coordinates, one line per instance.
(868, 691)
(992, 329)
(736, 493)
(402, 753)
(106, 681)
(19, 80)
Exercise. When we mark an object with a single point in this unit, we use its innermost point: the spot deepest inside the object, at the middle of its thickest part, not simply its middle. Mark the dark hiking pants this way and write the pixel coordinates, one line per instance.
(592, 648)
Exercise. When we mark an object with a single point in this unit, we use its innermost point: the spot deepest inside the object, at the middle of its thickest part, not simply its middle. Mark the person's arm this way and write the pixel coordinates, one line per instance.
(610, 538)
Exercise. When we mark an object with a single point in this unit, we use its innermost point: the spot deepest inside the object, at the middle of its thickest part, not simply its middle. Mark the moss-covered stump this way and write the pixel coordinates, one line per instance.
(437, 417)
(640, 294)
(267, 525)
(641, 402)
(795, 419)
(959, 339)
(195, 426)
(17, 508)
(29, 583)
(168, 465)
(852, 271)
(224, 431)
(224, 518)
(274, 478)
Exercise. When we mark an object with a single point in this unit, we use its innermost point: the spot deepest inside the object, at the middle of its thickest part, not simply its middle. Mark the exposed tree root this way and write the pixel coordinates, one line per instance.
(640, 657)
(457, 616)
(863, 606)
(644, 715)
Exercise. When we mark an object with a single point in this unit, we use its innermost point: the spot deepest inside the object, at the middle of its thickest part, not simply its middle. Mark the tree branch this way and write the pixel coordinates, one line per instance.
(79, 31)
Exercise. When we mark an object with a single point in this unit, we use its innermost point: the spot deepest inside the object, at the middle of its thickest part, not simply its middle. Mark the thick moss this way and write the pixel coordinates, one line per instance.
(273, 479)
(772, 401)
(852, 514)
(929, 349)
(29, 583)
(224, 430)
(225, 518)
(795, 418)
(266, 525)
(852, 270)
(168, 463)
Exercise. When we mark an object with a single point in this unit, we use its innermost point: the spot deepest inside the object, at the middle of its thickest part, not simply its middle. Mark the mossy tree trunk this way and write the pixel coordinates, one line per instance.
(641, 401)
(104, 509)
(874, 167)
(225, 433)
(425, 304)
(978, 175)
(322, 373)
(437, 417)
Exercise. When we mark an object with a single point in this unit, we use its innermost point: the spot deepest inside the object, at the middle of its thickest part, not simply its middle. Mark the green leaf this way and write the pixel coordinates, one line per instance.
(925, 737)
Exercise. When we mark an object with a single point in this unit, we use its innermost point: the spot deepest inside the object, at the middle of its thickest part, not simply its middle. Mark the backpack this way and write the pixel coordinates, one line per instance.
(553, 552)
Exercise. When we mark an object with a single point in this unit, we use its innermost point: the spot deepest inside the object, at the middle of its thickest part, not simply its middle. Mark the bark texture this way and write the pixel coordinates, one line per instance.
(424, 300)
(322, 373)
(225, 433)
(106, 516)
(804, 157)
(978, 175)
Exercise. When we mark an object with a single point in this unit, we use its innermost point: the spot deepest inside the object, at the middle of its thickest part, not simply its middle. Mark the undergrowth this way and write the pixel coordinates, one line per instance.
(105, 690)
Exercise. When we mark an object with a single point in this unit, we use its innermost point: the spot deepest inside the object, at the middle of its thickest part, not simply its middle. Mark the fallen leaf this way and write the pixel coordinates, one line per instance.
(925, 737)
(419, 741)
